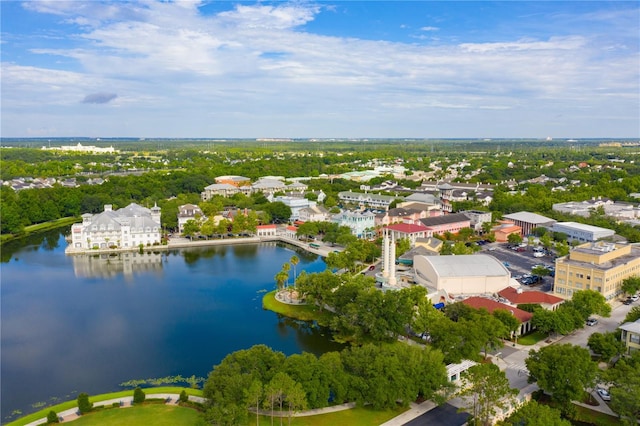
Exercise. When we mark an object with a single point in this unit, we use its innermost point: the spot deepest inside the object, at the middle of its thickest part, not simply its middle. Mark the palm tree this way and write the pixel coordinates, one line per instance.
(285, 270)
(294, 261)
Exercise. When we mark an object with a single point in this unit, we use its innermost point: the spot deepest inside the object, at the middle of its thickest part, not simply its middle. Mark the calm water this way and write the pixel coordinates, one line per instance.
(88, 323)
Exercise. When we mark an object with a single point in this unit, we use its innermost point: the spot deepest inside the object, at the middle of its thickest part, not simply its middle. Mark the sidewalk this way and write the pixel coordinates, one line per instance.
(416, 410)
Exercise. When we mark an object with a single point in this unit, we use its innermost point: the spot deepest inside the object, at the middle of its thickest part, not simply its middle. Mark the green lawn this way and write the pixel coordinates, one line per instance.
(300, 312)
(532, 338)
(102, 397)
(143, 415)
(353, 417)
(40, 227)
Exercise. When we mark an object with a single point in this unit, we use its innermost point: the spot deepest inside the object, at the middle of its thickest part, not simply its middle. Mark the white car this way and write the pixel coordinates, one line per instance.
(634, 297)
(604, 394)
(538, 254)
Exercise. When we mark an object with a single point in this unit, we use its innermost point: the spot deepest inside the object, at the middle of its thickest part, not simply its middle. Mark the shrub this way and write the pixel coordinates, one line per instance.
(138, 396)
(84, 406)
(183, 396)
(52, 417)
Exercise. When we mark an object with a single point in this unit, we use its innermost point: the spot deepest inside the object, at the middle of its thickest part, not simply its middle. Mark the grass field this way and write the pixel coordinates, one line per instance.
(300, 312)
(39, 227)
(532, 338)
(352, 417)
(102, 397)
(142, 415)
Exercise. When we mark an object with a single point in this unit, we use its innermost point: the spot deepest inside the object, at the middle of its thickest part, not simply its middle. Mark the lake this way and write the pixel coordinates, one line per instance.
(74, 324)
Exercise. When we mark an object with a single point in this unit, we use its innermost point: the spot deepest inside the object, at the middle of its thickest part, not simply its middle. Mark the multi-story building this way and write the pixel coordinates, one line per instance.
(187, 212)
(364, 200)
(478, 218)
(128, 227)
(222, 189)
(361, 223)
(448, 223)
(313, 214)
(631, 336)
(296, 204)
(582, 232)
(596, 266)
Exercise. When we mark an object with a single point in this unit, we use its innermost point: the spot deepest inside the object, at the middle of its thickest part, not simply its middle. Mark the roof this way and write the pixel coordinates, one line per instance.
(633, 327)
(468, 265)
(491, 305)
(536, 297)
(446, 219)
(407, 228)
(582, 227)
(219, 186)
(508, 229)
(266, 226)
(528, 217)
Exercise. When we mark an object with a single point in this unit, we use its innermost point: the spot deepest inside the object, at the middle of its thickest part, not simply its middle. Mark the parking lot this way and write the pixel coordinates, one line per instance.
(521, 262)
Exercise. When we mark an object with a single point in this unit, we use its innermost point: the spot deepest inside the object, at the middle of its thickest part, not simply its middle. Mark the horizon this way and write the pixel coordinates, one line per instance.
(338, 70)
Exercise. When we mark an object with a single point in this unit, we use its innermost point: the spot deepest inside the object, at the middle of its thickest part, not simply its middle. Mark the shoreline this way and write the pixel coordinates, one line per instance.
(180, 242)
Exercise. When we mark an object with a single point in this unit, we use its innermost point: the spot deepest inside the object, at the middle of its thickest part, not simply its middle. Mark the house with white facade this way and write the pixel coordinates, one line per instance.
(187, 212)
(361, 223)
(314, 214)
(128, 227)
(582, 232)
(296, 204)
(365, 200)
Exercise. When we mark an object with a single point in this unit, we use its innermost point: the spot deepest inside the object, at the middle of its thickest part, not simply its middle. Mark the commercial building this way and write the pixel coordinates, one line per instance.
(529, 221)
(581, 232)
(361, 223)
(187, 212)
(598, 266)
(490, 305)
(461, 275)
(128, 227)
(448, 223)
(364, 200)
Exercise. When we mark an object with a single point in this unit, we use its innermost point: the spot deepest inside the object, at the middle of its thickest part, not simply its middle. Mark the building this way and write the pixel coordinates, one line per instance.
(296, 204)
(518, 297)
(504, 229)
(362, 224)
(596, 266)
(187, 212)
(529, 221)
(477, 218)
(129, 227)
(88, 149)
(234, 180)
(461, 275)
(268, 186)
(222, 189)
(405, 230)
(313, 214)
(581, 232)
(448, 223)
(631, 336)
(266, 230)
(490, 305)
(364, 200)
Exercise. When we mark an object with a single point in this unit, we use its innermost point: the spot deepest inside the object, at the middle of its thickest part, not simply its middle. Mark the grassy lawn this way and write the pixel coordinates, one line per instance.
(300, 312)
(102, 397)
(532, 339)
(143, 415)
(353, 417)
(39, 227)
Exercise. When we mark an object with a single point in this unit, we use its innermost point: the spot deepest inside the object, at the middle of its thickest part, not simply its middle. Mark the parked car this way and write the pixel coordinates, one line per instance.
(538, 254)
(591, 322)
(634, 298)
(627, 302)
(604, 394)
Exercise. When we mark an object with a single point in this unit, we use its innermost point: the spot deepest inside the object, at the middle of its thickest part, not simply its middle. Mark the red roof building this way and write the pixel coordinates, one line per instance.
(491, 305)
(519, 297)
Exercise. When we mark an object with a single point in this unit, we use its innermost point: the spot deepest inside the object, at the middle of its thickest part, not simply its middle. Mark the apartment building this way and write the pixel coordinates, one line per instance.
(598, 266)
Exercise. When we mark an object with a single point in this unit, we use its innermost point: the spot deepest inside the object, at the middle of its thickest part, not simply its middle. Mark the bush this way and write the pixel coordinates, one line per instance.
(183, 396)
(84, 406)
(52, 417)
(138, 396)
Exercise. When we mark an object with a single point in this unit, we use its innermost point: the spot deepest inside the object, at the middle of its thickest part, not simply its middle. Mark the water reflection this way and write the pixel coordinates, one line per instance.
(113, 264)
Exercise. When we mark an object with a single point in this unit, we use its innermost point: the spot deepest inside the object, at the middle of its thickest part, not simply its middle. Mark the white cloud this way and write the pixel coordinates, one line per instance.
(168, 58)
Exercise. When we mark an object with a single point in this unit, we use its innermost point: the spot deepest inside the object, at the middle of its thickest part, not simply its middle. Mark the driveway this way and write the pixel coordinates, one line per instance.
(444, 415)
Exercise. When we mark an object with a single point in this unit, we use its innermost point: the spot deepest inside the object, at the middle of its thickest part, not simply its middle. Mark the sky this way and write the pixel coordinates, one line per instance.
(320, 69)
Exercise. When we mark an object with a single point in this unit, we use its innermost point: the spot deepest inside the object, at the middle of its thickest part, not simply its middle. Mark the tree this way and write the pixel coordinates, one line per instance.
(509, 320)
(52, 417)
(295, 399)
(84, 406)
(138, 396)
(489, 390)
(564, 371)
(625, 389)
(294, 262)
(588, 302)
(534, 414)
(183, 396)
(254, 396)
(191, 228)
(403, 245)
(514, 239)
(632, 315)
(279, 212)
(607, 345)
(631, 285)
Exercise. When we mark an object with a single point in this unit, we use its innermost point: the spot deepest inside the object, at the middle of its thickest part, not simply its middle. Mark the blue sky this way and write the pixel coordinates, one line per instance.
(304, 69)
